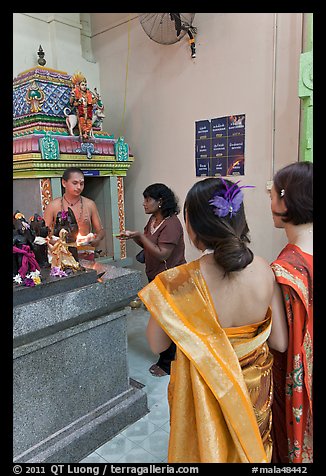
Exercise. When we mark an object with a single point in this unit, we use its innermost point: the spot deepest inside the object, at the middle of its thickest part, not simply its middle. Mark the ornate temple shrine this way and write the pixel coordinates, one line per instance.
(43, 147)
(71, 388)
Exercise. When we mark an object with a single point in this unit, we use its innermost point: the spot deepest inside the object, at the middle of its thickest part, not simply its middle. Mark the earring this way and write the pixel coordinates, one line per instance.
(160, 206)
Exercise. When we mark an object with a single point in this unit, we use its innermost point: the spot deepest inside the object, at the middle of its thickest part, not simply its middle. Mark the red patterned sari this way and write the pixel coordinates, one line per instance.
(292, 408)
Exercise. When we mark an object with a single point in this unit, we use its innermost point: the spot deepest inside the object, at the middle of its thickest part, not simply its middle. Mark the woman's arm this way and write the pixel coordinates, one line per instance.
(137, 240)
(157, 339)
(159, 251)
(127, 235)
(278, 338)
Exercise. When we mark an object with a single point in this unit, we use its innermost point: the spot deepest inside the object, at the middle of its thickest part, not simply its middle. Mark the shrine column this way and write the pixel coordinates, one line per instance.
(306, 93)
(118, 216)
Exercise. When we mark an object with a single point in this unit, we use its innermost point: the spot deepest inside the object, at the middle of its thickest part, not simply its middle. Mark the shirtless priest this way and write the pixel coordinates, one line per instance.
(91, 230)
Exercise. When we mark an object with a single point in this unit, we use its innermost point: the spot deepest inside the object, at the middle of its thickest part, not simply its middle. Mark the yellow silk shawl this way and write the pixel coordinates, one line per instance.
(220, 390)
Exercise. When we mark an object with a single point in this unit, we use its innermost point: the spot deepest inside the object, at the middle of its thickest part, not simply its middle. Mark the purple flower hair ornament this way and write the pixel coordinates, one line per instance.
(228, 201)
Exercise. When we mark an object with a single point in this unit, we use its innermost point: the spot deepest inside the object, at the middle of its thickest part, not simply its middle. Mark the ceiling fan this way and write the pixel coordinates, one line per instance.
(169, 28)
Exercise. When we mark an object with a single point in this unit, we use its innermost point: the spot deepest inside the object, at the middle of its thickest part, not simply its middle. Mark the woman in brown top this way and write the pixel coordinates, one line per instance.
(163, 246)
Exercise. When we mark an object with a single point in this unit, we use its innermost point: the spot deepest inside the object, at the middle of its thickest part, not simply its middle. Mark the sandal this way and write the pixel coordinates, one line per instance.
(156, 371)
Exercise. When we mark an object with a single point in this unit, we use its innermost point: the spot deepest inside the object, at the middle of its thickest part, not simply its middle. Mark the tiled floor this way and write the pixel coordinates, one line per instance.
(145, 441)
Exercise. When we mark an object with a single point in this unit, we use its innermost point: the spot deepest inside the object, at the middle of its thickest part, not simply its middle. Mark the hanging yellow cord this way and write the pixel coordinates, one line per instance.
(126, 83)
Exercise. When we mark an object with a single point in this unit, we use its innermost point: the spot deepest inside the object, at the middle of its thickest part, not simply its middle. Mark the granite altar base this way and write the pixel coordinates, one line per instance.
(72, 390)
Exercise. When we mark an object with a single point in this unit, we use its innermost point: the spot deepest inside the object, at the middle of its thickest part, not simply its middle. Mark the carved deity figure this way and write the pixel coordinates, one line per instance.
(67, 220)
(61, 256)
(35, 97)
(83, 100)
(41, 231)
(23, 248)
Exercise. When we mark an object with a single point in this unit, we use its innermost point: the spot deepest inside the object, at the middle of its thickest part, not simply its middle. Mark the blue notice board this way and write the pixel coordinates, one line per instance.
(220, 146)
(203, 130)
(91, 173)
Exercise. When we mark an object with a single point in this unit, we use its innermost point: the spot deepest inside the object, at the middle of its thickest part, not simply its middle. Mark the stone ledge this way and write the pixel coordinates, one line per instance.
(52, 285)
(46, 316)
(77, 440)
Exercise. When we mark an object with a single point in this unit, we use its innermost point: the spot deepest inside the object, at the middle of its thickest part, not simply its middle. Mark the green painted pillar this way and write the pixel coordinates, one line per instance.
(306, 92)
(56, 187)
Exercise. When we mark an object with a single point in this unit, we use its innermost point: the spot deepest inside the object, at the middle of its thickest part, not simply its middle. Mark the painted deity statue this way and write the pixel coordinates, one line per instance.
(23, 249)
(61, 256)
(98, 111)
(88, 106)
(67, 220)
(41, 232)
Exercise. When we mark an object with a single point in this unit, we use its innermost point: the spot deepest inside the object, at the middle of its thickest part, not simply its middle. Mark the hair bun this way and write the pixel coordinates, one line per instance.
(232, 254)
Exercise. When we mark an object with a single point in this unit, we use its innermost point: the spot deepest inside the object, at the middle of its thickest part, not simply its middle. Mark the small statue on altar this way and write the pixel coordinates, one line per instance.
(67, 220)
(40, 244)
(24, 260)
(83, 100)
(61, 256)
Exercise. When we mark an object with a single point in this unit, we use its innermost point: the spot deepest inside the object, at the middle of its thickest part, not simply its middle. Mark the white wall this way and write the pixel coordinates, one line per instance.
(246, 63)
(60, 37)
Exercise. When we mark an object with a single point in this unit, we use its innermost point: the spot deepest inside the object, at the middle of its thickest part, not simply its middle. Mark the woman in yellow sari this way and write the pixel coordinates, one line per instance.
(217, 310)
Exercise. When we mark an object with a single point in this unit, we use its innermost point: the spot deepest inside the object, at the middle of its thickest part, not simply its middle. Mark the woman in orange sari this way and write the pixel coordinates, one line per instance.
(217, 310)
(292, 209)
